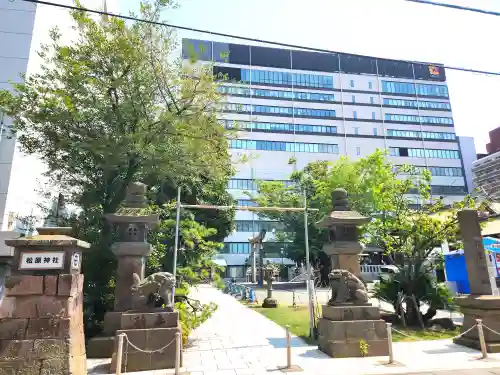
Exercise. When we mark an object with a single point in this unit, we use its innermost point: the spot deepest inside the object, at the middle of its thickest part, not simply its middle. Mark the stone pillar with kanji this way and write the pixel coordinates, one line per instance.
(41, 317)
(480, 303)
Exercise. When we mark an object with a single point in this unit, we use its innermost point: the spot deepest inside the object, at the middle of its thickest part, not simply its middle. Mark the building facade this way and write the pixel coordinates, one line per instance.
(313, 106)
(469, 156)
(24, 28)
(494, 144)
(486, 176)
(17, 19)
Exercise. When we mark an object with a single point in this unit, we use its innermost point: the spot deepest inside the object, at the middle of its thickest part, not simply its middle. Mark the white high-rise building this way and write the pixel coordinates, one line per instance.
(24, 28)
(313, 106)
(16, 30)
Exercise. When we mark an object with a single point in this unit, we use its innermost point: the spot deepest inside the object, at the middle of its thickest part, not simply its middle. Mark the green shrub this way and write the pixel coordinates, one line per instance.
(189, 319)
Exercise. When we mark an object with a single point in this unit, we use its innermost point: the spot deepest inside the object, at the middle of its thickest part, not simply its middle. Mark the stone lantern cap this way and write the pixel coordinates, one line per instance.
(341, 214)
(135, 208)
(57, 236)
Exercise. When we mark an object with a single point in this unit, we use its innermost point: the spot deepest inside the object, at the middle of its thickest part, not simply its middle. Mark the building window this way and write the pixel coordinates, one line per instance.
(353, 99)
(374, 131)
(354, 114)
(286, 78)
(417, 104)
(278, 111)
(246, 203)
(276, 94)
(421, 153)
(358, 150)
(248, 144)
(248, 184)
(236, 248)
(257, 225)
(441, 171)
(351, 83)
(370, 85)
(413, 89)
(420, 135)
(432, 120)
(372, 100)
(277, 127)
(356, 130)
(373, 116)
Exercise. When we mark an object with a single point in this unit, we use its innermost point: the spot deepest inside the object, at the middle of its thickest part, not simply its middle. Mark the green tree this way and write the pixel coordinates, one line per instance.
(387, 194)
(114, 107)
(412, 239)
(195, 246)
(369, 182)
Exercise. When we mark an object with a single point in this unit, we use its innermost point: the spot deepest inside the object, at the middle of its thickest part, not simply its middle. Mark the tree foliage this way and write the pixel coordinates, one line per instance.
(369, 182)
(195, 247)
(114, 107)
(407, 221)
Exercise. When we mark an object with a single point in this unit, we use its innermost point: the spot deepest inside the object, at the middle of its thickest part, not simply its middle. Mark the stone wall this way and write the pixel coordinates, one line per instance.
(41, 325)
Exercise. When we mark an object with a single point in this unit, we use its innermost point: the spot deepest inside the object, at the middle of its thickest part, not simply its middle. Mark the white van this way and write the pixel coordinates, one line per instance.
(387, 270)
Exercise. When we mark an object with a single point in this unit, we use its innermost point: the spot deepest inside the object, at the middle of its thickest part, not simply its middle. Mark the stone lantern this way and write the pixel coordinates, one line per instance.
(343, 246)
(132, 248)
(269, 273)
(132, 221)
(348, 320)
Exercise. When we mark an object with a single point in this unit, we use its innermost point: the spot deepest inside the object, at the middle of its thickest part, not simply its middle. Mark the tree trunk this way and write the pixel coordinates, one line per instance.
(412, 313)
(431, 313)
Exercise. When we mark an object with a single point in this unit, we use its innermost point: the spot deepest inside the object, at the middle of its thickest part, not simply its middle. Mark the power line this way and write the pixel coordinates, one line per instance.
(248, 39)
(457, 7)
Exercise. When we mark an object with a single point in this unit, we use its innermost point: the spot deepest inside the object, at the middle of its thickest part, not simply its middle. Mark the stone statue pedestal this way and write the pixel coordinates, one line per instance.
(270, 302)
(486, 308)
(343, 327)
(149, 332)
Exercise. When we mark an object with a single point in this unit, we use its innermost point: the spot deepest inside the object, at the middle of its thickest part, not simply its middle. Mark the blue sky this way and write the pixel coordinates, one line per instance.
(384, 28)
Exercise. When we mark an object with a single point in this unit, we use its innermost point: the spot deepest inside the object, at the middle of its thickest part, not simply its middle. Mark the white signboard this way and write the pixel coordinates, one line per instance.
(42, 260)
(75, 261)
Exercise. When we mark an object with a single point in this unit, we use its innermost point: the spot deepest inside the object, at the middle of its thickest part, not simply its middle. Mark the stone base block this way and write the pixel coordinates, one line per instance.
(100, 347)
(474, 344)
(343, 339)
(350, 312)
(152, 339)
(486, 308)
(112, 322)
(270, 303)
(149, 320)
(342, 349)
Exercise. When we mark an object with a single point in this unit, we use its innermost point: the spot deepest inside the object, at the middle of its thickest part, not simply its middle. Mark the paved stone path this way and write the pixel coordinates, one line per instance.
(239, 341)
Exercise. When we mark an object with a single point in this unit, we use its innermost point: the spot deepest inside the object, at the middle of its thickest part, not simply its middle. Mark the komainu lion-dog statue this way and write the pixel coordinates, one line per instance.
(346, 288)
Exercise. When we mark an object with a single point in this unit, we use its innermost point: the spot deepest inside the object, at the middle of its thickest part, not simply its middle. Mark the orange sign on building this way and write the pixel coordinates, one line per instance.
(434, 70)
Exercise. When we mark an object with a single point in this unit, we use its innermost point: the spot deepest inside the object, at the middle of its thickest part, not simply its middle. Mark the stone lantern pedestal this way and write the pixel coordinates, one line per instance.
(41, 317)
(348, 320)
